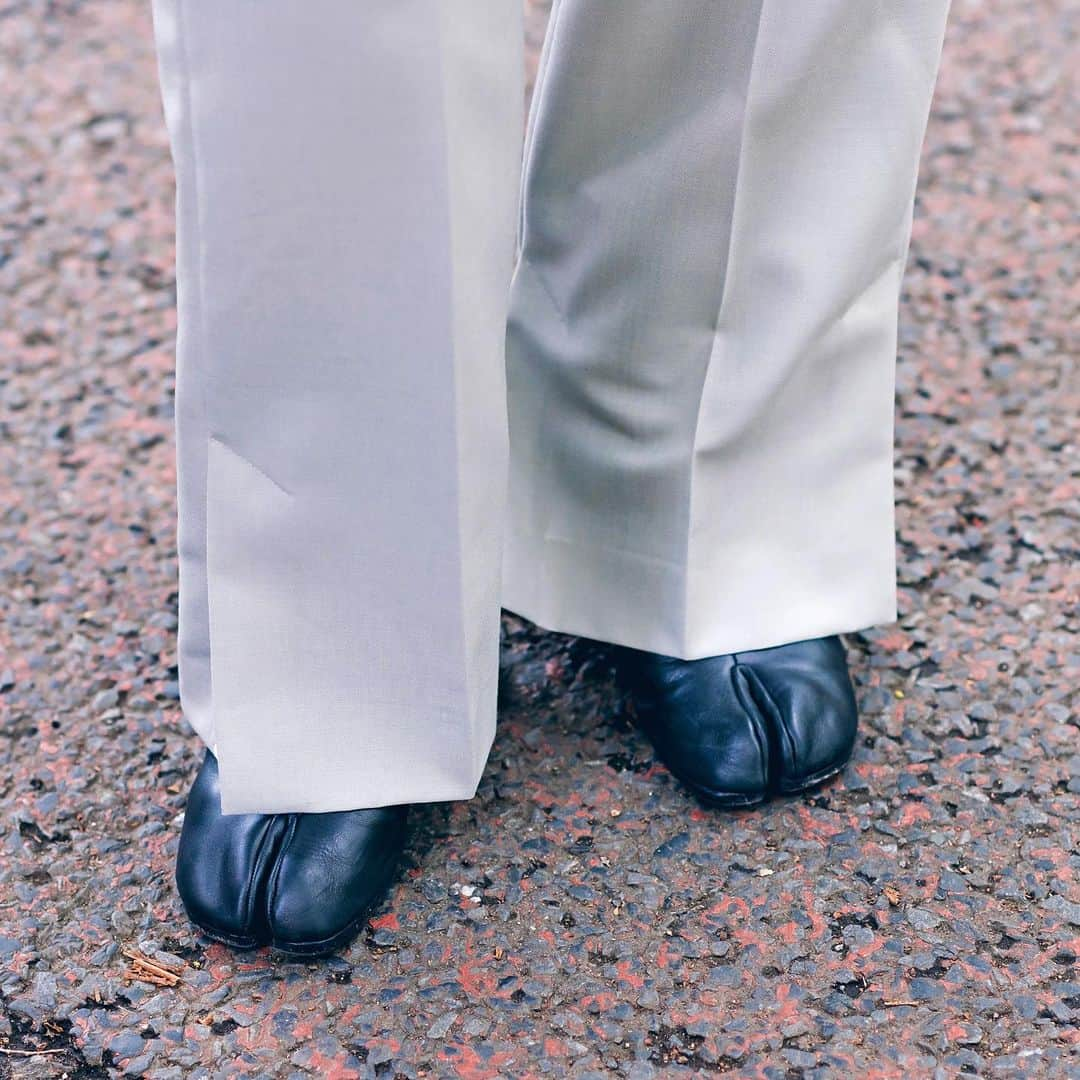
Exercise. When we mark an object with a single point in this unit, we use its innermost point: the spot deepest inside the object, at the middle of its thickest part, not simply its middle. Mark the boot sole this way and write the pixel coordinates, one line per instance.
(816, 780)
(313, 950)
(232, 940)
(722, 800)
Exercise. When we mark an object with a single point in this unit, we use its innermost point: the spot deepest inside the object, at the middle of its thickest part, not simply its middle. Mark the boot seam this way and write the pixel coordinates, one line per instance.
(274, 879)
(251, 886)
(776, 714)
(760, 737)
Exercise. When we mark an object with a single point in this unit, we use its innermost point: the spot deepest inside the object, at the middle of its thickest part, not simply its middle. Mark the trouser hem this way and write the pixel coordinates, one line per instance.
(632, 600)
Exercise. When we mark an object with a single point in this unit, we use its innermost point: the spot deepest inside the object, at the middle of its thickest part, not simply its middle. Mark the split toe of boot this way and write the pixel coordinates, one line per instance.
(804, 692)
(331, 870)
(695, 714)
(222, 864)
(738, 727)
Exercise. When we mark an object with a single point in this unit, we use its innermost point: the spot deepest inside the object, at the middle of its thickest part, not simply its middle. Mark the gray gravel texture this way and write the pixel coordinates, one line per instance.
(581, 916)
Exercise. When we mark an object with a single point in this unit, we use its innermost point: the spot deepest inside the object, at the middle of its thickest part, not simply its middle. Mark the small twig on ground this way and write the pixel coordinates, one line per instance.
(146, 970)
(30, 1053)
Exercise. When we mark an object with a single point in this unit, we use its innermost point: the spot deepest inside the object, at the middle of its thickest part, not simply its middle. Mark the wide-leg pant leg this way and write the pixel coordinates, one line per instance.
(347, 184)
(701, 341)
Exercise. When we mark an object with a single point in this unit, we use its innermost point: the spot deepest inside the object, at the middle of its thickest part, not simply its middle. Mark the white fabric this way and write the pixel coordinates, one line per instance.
(713, 217)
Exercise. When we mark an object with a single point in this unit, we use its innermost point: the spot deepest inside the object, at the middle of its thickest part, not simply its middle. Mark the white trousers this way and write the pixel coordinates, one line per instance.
(661, 418)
